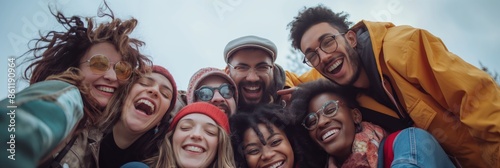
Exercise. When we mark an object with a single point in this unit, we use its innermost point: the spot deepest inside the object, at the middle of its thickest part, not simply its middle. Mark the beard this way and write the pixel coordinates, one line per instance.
(355, 61)
(224, 107)
(249, 105)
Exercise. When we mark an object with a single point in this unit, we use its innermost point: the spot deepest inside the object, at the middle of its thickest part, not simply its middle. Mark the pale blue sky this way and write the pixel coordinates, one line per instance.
(184, 36)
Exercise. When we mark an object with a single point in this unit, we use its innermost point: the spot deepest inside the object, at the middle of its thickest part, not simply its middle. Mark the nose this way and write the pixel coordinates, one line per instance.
(110, 75)
(322, 121)
(196, 134)
(252, 76)
(217, 97)
(153, 92)
(267, 153)
(323, 57)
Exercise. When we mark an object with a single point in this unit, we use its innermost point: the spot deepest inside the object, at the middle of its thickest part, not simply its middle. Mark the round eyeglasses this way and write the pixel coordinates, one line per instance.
(328, 45)
(244, 70)
(329, 109)
(99, 64)
(206, 93)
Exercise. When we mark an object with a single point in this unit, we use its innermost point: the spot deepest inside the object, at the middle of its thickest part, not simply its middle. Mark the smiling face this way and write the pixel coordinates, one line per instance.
(252, 74)
(228, 106)
(195, 140)
(277, 153)
(341, 66)
(101, 86)
(335, 134)
(147, 103)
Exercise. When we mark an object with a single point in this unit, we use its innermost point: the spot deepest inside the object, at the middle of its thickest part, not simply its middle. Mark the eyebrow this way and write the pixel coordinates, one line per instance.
(164, 86)
(186, 120)
(272, 135)
(255, 144)
(319, 40)
(248, 145)
(210, 124)
(191, 120)
(262, 63)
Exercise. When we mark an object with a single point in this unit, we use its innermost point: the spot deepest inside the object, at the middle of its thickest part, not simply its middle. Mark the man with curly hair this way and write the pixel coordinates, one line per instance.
(407, 77)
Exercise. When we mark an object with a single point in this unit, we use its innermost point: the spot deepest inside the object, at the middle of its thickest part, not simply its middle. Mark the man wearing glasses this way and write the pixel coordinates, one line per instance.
(214, 86)
(406, 77)
(250, 63)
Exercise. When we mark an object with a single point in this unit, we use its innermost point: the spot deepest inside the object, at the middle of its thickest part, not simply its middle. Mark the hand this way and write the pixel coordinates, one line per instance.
(286, 94)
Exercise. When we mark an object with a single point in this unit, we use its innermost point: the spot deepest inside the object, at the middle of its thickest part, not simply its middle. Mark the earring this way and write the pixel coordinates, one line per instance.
(156, 129)
(358, 127)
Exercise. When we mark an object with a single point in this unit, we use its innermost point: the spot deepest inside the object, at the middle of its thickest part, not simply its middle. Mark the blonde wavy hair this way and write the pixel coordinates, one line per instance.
(166, 157)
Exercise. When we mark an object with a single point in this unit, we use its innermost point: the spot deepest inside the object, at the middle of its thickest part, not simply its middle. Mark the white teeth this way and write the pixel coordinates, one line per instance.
(106, 89)
(147, 102)
(194, 149)
(253, 88)
(335, 65)
(329, 133)
(276, 165)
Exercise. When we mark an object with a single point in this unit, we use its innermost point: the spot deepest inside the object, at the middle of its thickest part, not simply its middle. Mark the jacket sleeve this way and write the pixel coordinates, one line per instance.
(40, 117)
(461, 88)
(293, 79)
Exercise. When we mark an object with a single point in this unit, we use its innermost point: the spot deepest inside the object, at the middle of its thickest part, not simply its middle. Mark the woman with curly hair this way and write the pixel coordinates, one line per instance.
(328, 124)
(104, 53)
(263, 138)
(106, 57)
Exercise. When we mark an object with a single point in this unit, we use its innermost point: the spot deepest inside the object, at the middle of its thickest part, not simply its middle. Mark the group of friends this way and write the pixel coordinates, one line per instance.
(377, 95)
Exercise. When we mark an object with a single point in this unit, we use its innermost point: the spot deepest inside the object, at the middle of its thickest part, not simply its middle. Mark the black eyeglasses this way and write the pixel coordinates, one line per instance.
(99, 64)
(206, 93)
(329, 109)
(328, 45)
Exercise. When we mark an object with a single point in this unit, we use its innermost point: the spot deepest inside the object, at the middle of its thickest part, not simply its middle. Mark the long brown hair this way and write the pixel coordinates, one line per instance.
(149, 141)
(166, 156)
(64, 49)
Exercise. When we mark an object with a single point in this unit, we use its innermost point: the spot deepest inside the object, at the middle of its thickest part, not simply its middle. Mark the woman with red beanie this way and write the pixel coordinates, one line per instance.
(198, 136)
(135, 122)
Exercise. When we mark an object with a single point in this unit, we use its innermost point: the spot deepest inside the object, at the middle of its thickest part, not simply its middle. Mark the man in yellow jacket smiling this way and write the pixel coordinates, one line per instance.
(405, 77)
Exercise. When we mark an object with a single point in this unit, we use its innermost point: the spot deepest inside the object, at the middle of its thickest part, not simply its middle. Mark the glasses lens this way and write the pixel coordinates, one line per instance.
(312, 59)
(330, 109)
(99, 64)
(329, 44)
(310, 121)
(226, 91)
(123, 70)
(204, 94)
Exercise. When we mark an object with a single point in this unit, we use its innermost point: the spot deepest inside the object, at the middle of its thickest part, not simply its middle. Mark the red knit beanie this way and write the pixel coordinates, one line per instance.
(202, 108)
(164, 72)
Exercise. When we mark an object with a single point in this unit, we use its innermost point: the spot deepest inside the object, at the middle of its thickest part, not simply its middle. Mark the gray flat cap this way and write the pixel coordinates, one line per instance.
(250, 42)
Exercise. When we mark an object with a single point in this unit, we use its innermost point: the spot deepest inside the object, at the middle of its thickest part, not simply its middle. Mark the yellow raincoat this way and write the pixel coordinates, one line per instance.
(456, 102)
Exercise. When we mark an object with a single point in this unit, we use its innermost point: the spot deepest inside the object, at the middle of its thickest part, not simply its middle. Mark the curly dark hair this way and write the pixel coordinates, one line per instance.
(55, 52)
(313, 153)
(263, 114)
(312, 16)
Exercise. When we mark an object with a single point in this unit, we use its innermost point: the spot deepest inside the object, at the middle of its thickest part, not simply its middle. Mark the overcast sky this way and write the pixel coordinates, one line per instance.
(184, 36)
